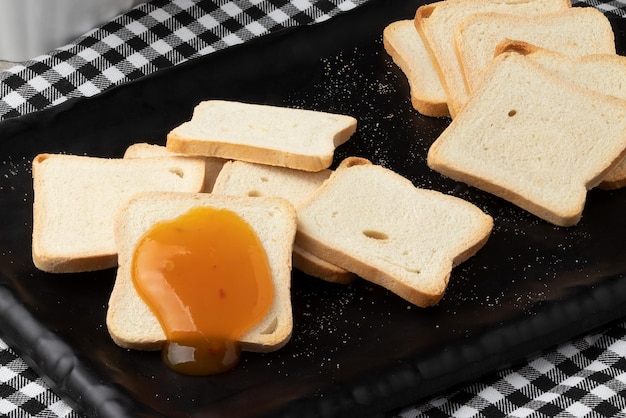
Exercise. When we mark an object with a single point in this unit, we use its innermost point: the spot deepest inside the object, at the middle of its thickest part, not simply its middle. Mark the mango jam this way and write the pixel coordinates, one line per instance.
(206, 277)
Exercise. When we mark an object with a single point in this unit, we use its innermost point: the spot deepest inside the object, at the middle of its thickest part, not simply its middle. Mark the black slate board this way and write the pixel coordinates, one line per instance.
(356, 350)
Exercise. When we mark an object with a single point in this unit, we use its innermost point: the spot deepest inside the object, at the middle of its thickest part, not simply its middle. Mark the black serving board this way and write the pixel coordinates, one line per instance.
(356, 350)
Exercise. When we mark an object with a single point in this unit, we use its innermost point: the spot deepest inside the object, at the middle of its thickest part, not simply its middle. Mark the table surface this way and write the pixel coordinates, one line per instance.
(582, 377)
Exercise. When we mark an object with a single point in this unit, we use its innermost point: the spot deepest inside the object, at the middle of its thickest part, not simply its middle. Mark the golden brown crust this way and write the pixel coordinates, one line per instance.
(316, 267)
(421, 101)
(511, 45)
(421, 16)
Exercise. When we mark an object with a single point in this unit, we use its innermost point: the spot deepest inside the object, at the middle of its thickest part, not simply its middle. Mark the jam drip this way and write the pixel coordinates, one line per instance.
(206, 277)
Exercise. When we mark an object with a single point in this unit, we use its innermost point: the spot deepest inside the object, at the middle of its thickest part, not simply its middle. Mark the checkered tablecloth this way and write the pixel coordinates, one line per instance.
(585, 377)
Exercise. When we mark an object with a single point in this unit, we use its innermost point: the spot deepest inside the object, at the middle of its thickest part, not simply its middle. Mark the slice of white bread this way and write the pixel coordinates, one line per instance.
(605, 73)
(436, 22)
(241, 178)
(131, 322)
(280, 136)
(76, 199)
(374, 222)
(574, 32)
(406, 47)
(145, 150)
(533, 139)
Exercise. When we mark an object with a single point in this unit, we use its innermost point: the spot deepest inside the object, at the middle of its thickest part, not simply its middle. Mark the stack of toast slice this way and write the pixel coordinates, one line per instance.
(535, 92)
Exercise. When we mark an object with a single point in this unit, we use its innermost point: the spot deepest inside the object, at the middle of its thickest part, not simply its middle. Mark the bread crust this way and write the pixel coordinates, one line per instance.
(316, 267)
(406, 47)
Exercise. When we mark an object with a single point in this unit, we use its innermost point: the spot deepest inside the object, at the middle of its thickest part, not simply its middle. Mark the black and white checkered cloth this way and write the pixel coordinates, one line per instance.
(582, 378)
(23, 394)
(150, 37)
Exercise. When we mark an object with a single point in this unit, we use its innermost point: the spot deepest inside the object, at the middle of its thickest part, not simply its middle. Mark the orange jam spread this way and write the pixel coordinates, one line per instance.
(206, 277)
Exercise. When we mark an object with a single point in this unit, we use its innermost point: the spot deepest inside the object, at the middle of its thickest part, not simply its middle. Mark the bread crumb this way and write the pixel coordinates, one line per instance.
(346, 86)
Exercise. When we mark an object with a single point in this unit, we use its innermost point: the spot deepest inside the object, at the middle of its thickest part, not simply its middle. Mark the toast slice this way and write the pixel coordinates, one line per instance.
(574, 32)
(145, 150)
(533, 139)
(241, 178)
(604, 73)
(406, 47)
(280, 136)
(130, 321)
(436, 22)
(374, 222)
(76, 199)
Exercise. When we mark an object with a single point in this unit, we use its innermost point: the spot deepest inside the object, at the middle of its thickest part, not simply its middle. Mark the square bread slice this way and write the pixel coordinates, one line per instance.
(76, 199)
(604, 73)
(436, 22)
(272, 135)
(240, 178)
(531, 138)
(145, 150)
(131, 322)
(406, 47)
(574, 32)
(372, 221)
